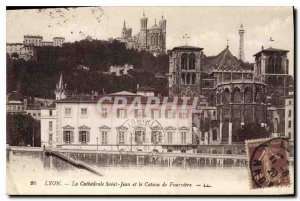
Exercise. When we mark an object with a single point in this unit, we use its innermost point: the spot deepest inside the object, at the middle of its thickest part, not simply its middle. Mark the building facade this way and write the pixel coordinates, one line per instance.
(81, 125)
(58, 41)
(289, 117)
(273, 66)
(185, 71)
(16, 103)
(27, 49)
(48, 127)
(240, 97)
(151, 39)
(31, 40)
(13, 48)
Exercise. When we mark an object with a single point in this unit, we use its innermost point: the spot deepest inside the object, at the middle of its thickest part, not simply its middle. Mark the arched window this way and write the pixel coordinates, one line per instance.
(271, 68)
(193, 78)
(192, 62)
(278, 66)
(188, 78)
(218, 99)
(237, 96)
(228, 151)
(257, 95)
(248, 95)
(184, 61)
(226, 96)
(215, 135)
(189, 93)
(183, 78)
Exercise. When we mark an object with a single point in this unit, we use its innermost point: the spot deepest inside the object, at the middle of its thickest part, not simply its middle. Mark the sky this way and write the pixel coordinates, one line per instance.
(207, 27)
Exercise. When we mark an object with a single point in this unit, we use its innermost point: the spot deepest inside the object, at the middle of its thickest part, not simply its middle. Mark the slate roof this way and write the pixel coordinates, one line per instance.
(225, 60)
(145, 88)
(84, 98)
(15, 96)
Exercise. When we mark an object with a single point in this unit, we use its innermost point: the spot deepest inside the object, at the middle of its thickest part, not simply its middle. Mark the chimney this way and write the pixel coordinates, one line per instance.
(137, 86)
(262, 47)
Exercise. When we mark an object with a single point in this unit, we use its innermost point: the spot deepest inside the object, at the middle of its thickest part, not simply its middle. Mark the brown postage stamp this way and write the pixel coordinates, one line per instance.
(268, 162)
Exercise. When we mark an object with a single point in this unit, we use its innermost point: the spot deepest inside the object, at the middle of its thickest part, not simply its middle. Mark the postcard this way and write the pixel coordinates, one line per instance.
(150, 101)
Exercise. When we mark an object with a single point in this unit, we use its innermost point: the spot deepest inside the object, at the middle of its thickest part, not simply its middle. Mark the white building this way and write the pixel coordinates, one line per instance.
(120, 70)
(289, 117)
(82, 125)
(16, 103)
(14, 48)
(58, 41)
(48, 127)
(145, 91)
(27, 53)
(35, 41)
(47, 43)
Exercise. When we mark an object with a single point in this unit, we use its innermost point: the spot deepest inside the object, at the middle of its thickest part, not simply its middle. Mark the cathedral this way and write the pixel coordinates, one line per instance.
(151, 39)
(233, 93)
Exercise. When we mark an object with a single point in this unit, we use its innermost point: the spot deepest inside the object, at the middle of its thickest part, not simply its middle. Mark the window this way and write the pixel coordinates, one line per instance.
(155, 114)
(214, 113)
(192, 62)
(290, 102)
(184, 61)
(50, 125)
(84, 137)
(290, 113)
(169, 114)
(68, 136)
(169, 133)
(290, 124)
(68, 111)
(121, 113)
(121, 137)
(156, 137)
(104, 113)
(183, 114)
(140, 136)
(139, 113)
(50, 138)
(39, 114)
(215, 135)
(34, 114)
(50, 112)
(84, 112)
(289, 135)
(183, 137)
(104, 137)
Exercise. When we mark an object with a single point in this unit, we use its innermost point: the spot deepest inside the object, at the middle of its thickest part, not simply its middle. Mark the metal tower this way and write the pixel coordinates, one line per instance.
(241, 55)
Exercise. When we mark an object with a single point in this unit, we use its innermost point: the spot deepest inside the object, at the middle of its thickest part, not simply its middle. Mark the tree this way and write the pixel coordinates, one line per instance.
(38, 78)
(21, 129)
(250, 131)
(15, 55)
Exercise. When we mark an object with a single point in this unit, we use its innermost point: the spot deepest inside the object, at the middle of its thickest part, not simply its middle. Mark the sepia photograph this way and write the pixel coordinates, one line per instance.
(150, 100)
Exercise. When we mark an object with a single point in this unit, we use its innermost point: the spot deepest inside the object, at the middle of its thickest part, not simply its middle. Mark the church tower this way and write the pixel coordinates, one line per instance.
(143, 33)
(124, 31)
(60, 91)
(184, 71)
(163, 26)
(241, 55)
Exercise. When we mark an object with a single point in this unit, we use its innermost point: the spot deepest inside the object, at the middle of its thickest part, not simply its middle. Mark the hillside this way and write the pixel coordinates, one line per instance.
(38, 78)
